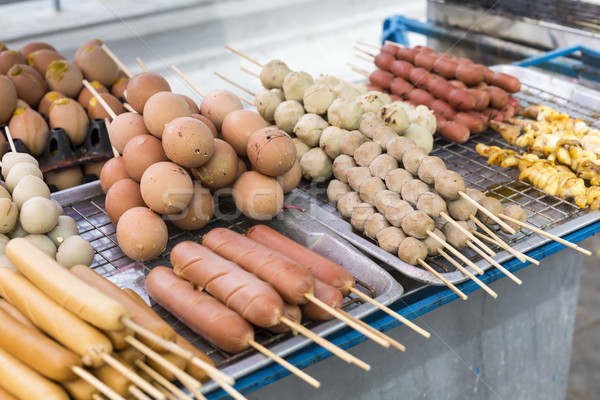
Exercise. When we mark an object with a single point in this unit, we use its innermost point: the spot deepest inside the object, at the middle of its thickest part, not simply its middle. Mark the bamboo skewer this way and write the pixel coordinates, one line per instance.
(103, 103)
(129, 108)
(244, 56)
(163, 381)
(361, 57)
(114, 150)
(141, 64)
(117, 61)
(245, 100)
(186, 80)
(394, 44)
(444, 280)
(346, 320)
(364, 52)
(468, 234)
(382, 335)
(359, 70)
(251, 93)
(548, 235)
(97, 383)
(391, 312)
(468, 273)
(495, 263)
(292, 368)
(137, 393)
(169, 395)
(488, 213)
(456, 253)
(344, 355)
(254, 74)
(369, 45)
(128, 373)
(10, 139)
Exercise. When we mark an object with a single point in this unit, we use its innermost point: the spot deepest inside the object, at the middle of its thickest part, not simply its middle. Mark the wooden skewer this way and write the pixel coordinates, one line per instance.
(359, 70)
(229, 389)
(548, 235)
(10, 139)
(237, 85)
(456, 252)
(254, 74)
(344, 355)
(382, 335)
(114, 150)
(103, 103)
(186, 80)
(468, 273)
(117, 61)
(129, 108)
(346, 320)
(487, 212)
(141, 64)
(137, 393)
(494, 263)
(169, 395)
(97, 383)
(292, 368)
(132, 376)
(364, 51)
(391, 312)
(163, 381)
(211, 371)
(361, 57)
(444, 280)
(247, 101)
(374, 46)
(495, 239)
(244, 56)
(394, 44)
(468, 234)
(96, 396)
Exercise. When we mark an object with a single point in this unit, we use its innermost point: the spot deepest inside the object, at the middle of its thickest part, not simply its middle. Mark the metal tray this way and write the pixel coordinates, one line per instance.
(86, 205)
(546, 212)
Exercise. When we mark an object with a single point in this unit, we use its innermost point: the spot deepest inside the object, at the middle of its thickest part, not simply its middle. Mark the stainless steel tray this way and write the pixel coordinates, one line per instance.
(546, 212)
(86, 205)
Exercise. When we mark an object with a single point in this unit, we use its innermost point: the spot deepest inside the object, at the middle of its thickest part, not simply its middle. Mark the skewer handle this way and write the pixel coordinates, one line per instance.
(97, 383)
(455, 252)
(130, 374)
(468, 273)
(441, 278)
(244, 56)
(10, 139)
(103, 103)
(141, 64)
(494, 239)
(117, 61)
(186, 80)
(237, 85)
(382, 335)
(495, 264)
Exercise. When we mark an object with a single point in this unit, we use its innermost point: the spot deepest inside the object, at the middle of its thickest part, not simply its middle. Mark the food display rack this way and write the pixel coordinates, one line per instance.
(317, 225)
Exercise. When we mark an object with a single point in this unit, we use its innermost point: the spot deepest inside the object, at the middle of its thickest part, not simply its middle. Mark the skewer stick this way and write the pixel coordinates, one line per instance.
(96, 396)
(359, 70)
(343, 354)
(137, 393)
(361, 57)
(230, 390)
(132, 376)
(141, 64)
(128, 107)
(247, 101)
(468, 273)
(364, 51)
(394, 44)
(114, 150)
(244, 56)
(456, 252)
(391, 312)
(237, 85)
(117, 61)
(488, 213)
(211, 371)
(169, 395)
(292, 368)
(10, 139)
(97, 383)
(346, 320)
(163, 381)
(494, 263)
(374, 46)
(468, 234)
(548, 235)
(382, 335)
(495, 239)
(103, 103)
(444, 280)
(186, 80)
(254, 74)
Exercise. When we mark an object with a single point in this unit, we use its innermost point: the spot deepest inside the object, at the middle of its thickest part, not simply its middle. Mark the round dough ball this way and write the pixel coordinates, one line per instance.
(433, 245)
(454, 236)
(411, 250)
(431, 204)
(347, 202)
(122, 196)
(429, 168)
(341, 166)
(371, 102)
(345, 114)
(383, 135)
(516, 212)
(351, 141)
(266, 102)
(385, 198)
(317, 98)
(112, 171)
(336, 189)
(198, 212)
(421, 136)
(301, 148)
(330, 140)
(316, 165)
(142, 234)
(356, 176)
(290, 179)
(397, 178)
(43, 243)
(188, 142)
(217, 104)
(389, 239)
(475, 194)
(271, 151)
(162, 108)
(20, 171)
(412, 159)
(11, 159)
(394, 117)
(75, 250)
(287, 114)
(295, 84)
(449, 184)
(374, 224)
(491, 204)
(257, 196)
(273, 74)
(370, 123)
(423, 117)
(125, 127)
(38, 215)
(359, 216)
(309, 128)
(166, 188)
(417, 223)
(396, 211)
(65, 178)
(29, 186)
(238, 126)
(9, 213)
(382, 165)
(461, 208)
(58, 206)
(412, 190)
(399, 145)
(366, 153)
(65, 228)
(344, 90)
(369, 188)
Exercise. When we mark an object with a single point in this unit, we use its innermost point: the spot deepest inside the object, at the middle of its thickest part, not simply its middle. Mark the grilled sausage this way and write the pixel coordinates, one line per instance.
(328, 295)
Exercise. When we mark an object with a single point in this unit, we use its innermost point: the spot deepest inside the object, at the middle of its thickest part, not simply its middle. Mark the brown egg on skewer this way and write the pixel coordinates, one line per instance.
(34, 46)
(238, 126)
(47, 100)
(126, 126)
(221, 169)
(31, 128)
(8, 58)
(8, 94)
(96, 65)
(84, 45)
(64, 76)
(188, 142)
(142, 86)
(208, 123)
(69, 115)
(162, 108)
(40, 59)
(198, 212)
(122, 196)
(141, 152)
(193, 106)
(216, 105)
(166, 188)
(85, 95)
(112, 171)
(119, 87)
(95, 109)
(30, 85)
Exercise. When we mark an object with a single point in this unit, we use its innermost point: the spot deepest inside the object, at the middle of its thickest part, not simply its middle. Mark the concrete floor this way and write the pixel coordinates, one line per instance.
(584, 374)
